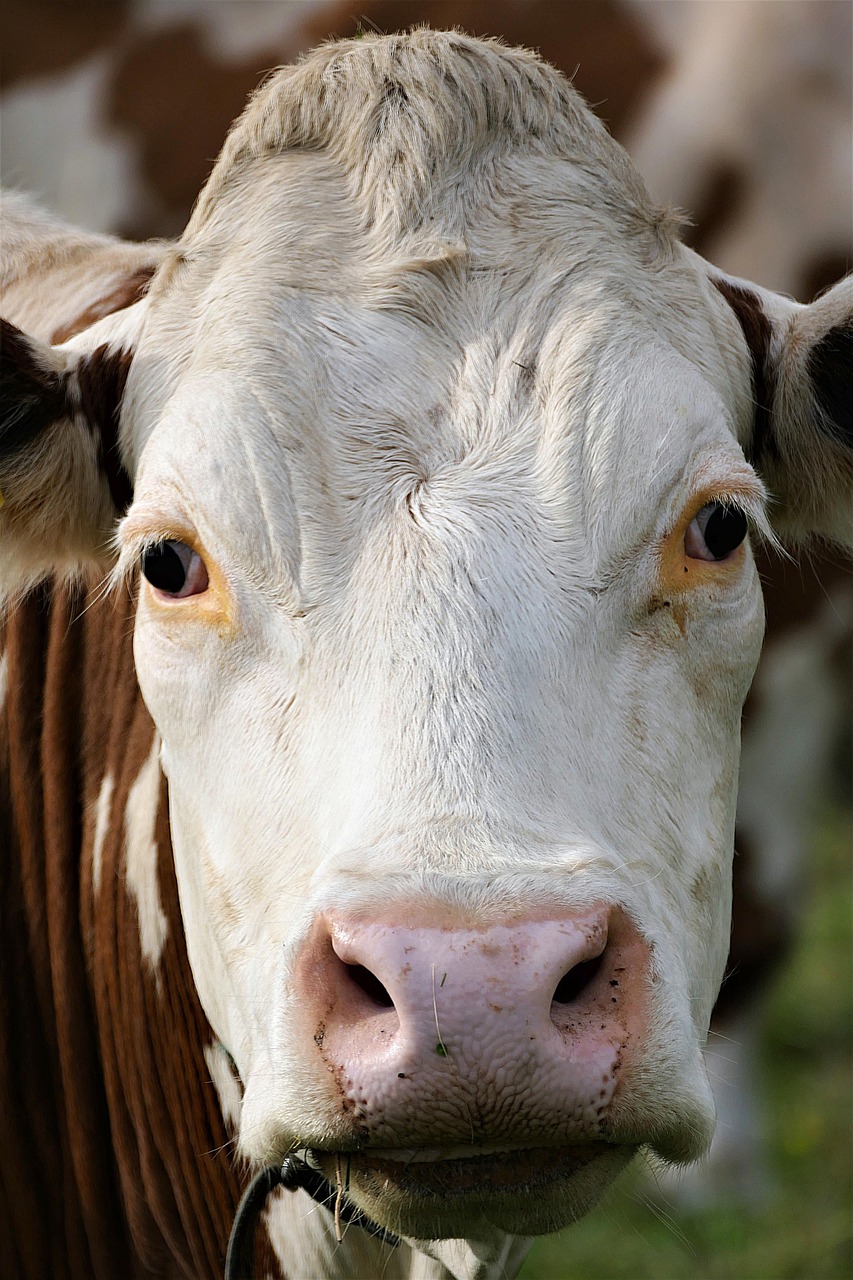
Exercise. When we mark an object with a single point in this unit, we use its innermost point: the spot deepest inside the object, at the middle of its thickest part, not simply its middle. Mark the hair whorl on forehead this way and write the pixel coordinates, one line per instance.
(405, 115)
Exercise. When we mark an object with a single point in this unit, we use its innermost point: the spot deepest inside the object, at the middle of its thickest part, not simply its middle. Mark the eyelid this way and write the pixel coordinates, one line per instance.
(214, 606)
(677, 572)
(747, 495)
(137, 532)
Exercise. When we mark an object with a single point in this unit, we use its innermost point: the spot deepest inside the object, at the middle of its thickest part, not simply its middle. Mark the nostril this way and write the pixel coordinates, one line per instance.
(370, 985)
(576, 980)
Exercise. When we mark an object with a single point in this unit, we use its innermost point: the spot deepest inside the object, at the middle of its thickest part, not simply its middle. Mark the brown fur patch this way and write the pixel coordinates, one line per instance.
(101, 381)
(756, 330)
(41, 37)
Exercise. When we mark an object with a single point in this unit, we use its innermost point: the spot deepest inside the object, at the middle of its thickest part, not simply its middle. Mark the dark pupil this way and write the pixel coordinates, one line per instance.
(164, 568)
(725, 530)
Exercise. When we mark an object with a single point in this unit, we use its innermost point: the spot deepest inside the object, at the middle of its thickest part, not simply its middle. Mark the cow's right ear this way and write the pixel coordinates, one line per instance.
(800, 437)
(62, 481)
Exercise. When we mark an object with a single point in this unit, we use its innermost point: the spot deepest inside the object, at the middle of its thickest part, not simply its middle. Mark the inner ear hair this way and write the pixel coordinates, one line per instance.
(829, 365)
(33, 390)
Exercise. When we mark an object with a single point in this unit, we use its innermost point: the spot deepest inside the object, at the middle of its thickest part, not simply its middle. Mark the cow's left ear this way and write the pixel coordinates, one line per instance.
(800, 438)
(62, 480)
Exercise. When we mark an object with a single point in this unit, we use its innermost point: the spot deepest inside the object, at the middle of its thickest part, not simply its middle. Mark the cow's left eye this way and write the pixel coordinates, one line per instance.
(715, 532)
(174, 569)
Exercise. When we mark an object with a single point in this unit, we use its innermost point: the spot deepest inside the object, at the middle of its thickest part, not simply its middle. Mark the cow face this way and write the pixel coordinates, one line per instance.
(442, 464)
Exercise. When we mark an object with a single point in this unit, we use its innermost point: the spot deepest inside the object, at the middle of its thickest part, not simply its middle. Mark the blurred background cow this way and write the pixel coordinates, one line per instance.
(737, 112)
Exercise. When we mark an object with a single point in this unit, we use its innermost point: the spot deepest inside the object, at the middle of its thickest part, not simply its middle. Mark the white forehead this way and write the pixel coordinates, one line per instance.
(368, 301)
(297, 411)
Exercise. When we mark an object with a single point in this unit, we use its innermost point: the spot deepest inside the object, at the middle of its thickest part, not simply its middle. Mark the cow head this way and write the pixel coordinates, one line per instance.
(445, 455)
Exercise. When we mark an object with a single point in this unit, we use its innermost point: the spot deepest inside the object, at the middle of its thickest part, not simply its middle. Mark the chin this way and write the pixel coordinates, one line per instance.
(464, 1191)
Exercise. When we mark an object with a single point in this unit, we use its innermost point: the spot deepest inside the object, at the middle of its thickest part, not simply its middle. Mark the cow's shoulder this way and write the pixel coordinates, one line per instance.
(172, 1145)
(116, 1091)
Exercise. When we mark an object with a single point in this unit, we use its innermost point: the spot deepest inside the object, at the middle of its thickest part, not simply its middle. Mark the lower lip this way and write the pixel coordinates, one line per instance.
(451, 1173)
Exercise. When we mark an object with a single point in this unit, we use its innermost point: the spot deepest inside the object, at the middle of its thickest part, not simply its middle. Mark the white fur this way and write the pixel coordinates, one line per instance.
(103, 811)
(226, 1085)
(140, 816)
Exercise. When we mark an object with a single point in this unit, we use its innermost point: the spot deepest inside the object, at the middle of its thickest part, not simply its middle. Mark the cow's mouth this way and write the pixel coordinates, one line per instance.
(448, 1192)
(440, 1174)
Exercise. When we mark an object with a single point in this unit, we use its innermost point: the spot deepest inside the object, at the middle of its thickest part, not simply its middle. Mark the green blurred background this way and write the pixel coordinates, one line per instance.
(804, 1231)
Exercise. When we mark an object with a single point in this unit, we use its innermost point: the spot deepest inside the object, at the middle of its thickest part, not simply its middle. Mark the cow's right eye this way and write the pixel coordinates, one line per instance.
(715, 532)
(174, 569)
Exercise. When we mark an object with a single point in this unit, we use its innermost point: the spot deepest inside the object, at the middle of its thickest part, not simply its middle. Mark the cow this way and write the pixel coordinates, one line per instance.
(380, 610)
(89, 105)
